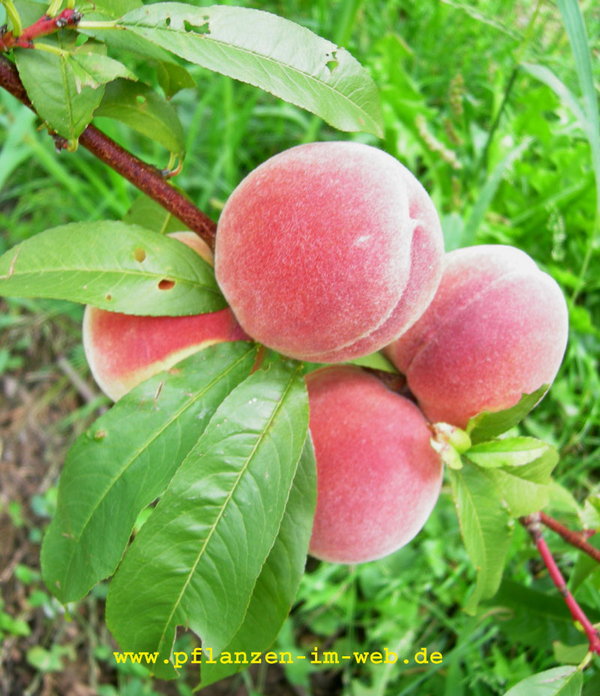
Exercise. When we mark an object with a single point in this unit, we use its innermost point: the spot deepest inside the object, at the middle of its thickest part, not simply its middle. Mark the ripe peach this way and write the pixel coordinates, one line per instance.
(124, 350)
(328, 251)
(378, 478)
(497, 328)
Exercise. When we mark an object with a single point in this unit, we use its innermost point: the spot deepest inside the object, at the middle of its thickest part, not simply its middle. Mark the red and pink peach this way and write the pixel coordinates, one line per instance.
(328, 251)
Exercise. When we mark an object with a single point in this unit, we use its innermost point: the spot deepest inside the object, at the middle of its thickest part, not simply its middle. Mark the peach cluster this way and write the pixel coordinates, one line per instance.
(331, 251)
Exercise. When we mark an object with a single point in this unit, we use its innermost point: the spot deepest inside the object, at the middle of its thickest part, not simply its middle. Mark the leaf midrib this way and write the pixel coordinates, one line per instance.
(102, 271)
(257, 56)
(148, 443)
(225, 504)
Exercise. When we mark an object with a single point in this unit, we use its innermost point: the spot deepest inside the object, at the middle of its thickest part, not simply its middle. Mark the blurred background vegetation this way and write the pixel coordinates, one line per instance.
(505, 161)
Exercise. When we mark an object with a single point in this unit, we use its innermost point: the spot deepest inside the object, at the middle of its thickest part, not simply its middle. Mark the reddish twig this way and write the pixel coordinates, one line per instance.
(532, 524)
(149, 180)
(144, 176)
(577, 539)
(43, 27)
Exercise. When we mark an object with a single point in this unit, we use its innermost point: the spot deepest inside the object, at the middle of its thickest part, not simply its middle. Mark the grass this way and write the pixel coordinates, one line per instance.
(506, 161)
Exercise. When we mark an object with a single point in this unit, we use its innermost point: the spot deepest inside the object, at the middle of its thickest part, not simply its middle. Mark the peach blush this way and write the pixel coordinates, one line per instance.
(328, 251)
(496, 329)
(378, 478)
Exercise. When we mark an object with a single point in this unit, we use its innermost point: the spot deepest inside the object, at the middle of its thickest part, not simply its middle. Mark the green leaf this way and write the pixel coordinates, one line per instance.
(484, 526)
(377, 361)
(196, 560)
(126, 459)
(585, 566)
(92, 69)
(559, 681)
(523, 456)
(173, 78)
(52, 86)
(123, 42)
(97, 263)
(151, 216)
(590, 516)
(536, 618)
(570, 654)
(520, 468)
(521, 496)
(147, 112)
(116, 8)
(280, 576)
(268, 52)
(488, 425)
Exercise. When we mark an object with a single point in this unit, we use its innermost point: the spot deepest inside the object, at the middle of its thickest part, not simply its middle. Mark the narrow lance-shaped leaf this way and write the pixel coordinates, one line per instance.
(126, 459)
(112, 265)
(585, 566)
(520, 468)
(488, 425)
(533, 618)
(52, 86)
(92, 69)
(280, 576)
(141, 108)
(484, 525)
(173, 78)
(559, 681)
(195, 562)
(269, 52)
(515, 453)
(148, 214)
(522, 497)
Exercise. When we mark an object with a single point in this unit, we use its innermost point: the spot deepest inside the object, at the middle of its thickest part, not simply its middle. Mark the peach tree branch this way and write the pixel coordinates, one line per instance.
(532, 523)
(576, 539)
(143, 176)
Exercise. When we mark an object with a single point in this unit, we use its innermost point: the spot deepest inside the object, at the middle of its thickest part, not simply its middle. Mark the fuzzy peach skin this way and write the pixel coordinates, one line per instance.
(378, 478)
(328, 251)
(497, 329)
(124, 350)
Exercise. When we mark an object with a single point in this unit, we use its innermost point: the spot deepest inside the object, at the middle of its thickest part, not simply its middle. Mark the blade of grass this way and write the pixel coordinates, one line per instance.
(577, 32)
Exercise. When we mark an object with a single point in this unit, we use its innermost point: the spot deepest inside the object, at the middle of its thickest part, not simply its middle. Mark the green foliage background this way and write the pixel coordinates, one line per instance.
(444, 70)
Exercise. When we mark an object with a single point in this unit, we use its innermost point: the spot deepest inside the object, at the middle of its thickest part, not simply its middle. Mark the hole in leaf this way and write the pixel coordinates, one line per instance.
(139, 255)
(166, 284)
(333, 63)
(201, 29)
(108, 298)
(168, 21)
(140, 99)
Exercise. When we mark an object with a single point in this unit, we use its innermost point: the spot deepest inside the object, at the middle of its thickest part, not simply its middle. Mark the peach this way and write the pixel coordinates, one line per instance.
(378, 478)
(328, 251)
(496, 329)
(124, 350)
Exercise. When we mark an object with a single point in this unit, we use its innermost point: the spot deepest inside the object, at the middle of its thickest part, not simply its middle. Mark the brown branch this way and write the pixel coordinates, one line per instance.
(532, 524)
(145, 177)
(574, 538)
